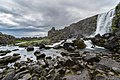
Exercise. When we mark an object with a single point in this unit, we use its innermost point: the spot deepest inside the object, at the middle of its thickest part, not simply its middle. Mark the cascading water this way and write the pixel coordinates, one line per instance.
(104, 23)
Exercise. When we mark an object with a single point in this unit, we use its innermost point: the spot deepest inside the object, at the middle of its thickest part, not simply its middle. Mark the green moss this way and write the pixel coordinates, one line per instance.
(35, 42)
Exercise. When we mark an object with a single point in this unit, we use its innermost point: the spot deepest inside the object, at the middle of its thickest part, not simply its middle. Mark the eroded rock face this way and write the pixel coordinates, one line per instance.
(110, 41)
(116, 19)
(79, 29)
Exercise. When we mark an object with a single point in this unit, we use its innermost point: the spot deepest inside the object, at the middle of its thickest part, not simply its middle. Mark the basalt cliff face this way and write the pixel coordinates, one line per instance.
(82, 28)
(116, 20)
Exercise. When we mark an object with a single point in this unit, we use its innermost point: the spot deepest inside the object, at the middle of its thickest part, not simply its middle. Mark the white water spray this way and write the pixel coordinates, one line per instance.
(104, 22)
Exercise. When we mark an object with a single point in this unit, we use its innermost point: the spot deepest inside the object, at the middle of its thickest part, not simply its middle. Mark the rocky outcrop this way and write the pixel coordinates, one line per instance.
(82, 28)
(6, 39)
(116, 20)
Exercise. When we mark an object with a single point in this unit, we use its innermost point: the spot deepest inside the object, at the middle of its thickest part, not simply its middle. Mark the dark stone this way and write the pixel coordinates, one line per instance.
(69, 46)
(9, 59)
(9, 76)
(79, 44)
(83, 76)
(49, 57)
(16, 54)
(109, 63)
(64, 54)
(20, 74)
(30, 48)
(69, 63)
(107, 35)
(41, 46)
(91, 57)
(74, 55)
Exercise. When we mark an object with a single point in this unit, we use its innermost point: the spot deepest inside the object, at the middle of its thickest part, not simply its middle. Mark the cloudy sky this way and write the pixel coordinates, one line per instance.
(36, 17)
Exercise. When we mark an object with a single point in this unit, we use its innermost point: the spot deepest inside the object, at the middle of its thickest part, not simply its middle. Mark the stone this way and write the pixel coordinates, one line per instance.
(69, 63)
(83, 76)
(68, 46)
(20, 74)
(41, 46)
(16, 54)
(30, 48)
(91, 57)
(79, 43)
(64, 54)
(9, 59)
(27, 76)
(109, 63)
(9, 76)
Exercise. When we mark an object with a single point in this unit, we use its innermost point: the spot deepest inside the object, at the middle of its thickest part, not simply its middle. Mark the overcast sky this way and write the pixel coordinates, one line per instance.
(36, 17)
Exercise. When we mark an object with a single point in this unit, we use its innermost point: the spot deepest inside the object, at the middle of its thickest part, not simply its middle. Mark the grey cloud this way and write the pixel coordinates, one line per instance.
(48, 13)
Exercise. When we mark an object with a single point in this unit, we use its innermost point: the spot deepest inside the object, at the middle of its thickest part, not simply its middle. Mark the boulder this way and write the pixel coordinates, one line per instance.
(69, 46)
(91, 57)
(108, 63)
(83, 76)
(9, 59)
(9, 76)
(30, 48)
(41, 46)
(79, 44)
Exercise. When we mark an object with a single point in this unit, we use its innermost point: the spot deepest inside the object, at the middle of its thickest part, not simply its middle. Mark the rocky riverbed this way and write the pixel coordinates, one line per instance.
(64, 61)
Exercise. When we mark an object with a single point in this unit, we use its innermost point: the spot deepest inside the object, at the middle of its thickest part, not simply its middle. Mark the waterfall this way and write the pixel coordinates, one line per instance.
(104, 22)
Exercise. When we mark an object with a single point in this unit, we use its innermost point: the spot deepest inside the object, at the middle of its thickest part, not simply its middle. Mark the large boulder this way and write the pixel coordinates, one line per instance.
(69, 46)
(30, 48)
(79, 44)
(83, 76)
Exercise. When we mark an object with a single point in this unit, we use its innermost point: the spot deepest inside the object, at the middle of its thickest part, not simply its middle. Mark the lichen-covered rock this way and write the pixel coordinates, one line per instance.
(79, 44)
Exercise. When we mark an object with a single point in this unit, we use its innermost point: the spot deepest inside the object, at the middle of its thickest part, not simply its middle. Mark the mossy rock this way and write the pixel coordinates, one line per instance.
(79, 44)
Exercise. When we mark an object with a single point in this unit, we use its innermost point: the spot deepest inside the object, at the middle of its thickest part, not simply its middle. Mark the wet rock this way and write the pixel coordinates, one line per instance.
(15, 50)
(69, 46)
(41, 46)
(49, 57)
(74, 55)
(9, 59)
(40, 56)
(37, 52)
(64, 54)
(79, 43)
(107, 35)
(109, 63)
(69, 63)
(30, 48)
(22, 68)
(20, 74)
(83, 76)
(35, 69)
(9, 76)
(2, 53)
(35, 78)
(27, 76)
(57, 47)
(107, 78)
(100, 78)
(16, 54)
(91, 57)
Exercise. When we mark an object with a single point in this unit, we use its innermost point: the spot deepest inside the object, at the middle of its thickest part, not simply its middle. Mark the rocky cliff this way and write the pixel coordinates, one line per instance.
(82, 28)
(116, 20)
(6, 39)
